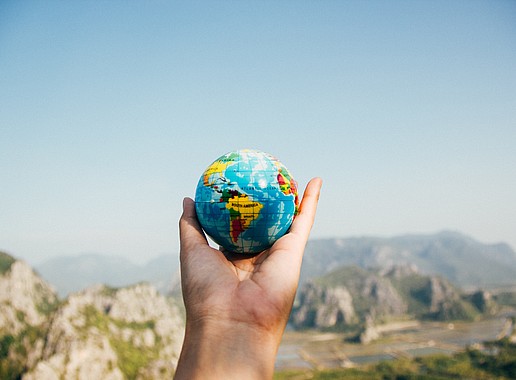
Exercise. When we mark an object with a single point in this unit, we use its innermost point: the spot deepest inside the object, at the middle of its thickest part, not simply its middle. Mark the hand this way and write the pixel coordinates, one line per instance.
(237, 307)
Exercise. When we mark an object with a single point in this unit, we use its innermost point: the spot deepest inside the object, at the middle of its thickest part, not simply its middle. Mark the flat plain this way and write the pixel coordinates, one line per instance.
(326, 350)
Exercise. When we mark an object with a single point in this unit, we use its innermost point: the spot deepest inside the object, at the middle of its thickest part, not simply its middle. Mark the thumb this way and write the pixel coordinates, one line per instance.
(190, 232)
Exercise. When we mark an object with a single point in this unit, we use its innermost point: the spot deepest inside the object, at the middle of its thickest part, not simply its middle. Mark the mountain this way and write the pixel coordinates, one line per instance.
(74, 273)
(101, 332)
(351, 298)
(26, 303)
(459, 258)
(130, 332)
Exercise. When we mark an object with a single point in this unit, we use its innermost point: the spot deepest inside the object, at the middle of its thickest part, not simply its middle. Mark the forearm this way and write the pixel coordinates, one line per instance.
(227, 352)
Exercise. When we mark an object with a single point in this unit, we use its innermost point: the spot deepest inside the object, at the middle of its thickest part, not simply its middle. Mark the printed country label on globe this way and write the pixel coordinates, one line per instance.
(246, 200)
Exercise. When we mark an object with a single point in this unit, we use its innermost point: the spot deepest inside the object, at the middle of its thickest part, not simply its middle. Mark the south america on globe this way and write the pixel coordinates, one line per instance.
(246, 200)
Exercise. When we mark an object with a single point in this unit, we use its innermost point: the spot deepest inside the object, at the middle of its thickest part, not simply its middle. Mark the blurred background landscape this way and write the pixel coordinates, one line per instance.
(362, 302)
(110, 112)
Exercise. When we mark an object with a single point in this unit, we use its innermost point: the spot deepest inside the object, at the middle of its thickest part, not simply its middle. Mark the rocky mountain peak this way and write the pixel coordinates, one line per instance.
(25, 299)
(324, 307)
(103, 332)
(351, 298)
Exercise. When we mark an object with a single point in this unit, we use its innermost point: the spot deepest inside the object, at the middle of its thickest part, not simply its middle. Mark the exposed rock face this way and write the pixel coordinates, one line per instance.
(99, 333)
(25, 299)
(112, 334)
(26, 303)
(353, 298)
(385, 299)
(325, 307)
(440, 295)
(344, 298)
(370, 332)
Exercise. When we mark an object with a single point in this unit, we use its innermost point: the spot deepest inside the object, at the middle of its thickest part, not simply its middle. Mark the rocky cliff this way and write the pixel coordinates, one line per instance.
(26, 304)
(344, 297)
(110, 333)
(352, 298)
(24, 297)
(98, 333)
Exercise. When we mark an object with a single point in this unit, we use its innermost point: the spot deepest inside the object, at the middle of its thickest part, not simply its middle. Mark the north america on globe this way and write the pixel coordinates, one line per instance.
(246, 200)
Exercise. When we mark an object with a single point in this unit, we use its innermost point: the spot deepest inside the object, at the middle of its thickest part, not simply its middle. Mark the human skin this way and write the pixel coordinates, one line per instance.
(237, 307)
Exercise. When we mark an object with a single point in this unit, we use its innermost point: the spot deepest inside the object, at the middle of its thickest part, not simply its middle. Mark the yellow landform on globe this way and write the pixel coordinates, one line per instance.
(242, 212)
(216, 170)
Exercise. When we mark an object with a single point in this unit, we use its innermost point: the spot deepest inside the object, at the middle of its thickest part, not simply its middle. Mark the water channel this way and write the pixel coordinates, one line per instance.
(315, 350)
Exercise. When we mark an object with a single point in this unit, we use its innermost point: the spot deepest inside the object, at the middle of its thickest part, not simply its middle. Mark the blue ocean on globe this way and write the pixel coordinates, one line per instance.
(246, 200)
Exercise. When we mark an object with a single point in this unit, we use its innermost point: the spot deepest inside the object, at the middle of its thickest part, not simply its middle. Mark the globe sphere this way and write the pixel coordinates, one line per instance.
(246, 200)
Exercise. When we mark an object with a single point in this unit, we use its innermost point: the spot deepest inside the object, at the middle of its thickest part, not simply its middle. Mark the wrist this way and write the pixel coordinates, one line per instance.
(226, 350)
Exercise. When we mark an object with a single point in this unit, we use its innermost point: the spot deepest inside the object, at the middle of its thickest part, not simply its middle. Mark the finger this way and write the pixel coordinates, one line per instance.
(190, 232)
(304, 220)
(287, 253)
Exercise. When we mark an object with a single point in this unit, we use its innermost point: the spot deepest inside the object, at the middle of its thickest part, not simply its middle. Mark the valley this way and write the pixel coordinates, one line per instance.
(318, 350)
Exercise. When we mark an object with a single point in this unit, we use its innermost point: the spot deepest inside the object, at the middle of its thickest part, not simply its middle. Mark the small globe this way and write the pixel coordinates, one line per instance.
(246, 200)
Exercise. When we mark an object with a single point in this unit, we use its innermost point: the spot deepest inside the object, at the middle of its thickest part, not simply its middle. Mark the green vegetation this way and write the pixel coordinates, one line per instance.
(135, 326)
(5, 344)
(14, 351)
(130, 357)
(495, 360)
(417, 291)
(411, 288)
(5, 262)
(109, 291)
(49, 304)
(95, 318)
(344, 374)
(9, 369)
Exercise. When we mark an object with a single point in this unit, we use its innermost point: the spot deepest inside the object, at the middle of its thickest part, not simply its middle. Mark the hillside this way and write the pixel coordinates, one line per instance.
(456, 257)
(355, 299)
(101, 332)
(130, 332)
(26, 303)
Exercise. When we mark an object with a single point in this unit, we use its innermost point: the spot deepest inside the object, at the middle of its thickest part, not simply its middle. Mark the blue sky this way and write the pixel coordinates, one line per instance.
(110, 111)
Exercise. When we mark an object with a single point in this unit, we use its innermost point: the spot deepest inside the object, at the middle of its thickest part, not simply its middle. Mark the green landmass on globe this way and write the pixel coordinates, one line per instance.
(246, 200)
